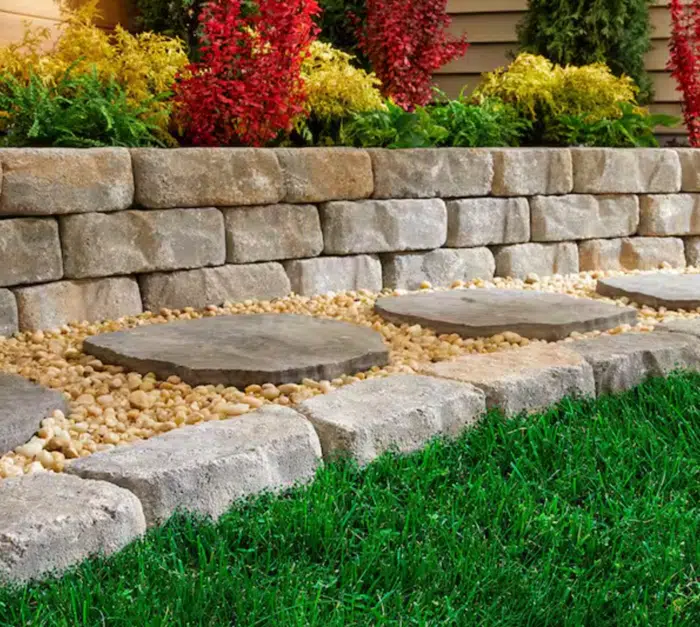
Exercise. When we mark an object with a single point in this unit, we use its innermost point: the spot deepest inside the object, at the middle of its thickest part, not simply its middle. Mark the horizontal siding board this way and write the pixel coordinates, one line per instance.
(501, 27)
(487, 57)
(12, 26)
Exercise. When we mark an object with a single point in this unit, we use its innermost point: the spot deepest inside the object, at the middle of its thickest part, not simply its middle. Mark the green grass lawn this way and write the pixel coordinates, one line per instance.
(588, 515)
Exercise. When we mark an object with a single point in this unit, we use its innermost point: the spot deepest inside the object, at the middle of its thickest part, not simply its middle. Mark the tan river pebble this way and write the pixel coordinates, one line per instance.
(110, 407)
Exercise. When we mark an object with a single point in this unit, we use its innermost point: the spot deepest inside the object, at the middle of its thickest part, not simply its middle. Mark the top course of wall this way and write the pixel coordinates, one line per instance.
(64, 181)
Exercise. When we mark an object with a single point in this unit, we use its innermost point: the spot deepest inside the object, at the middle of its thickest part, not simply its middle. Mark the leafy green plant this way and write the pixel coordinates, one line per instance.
(454, 123)
(392, 128)
(491, 123)
(580, 32)
(77, 111)
(632, 129)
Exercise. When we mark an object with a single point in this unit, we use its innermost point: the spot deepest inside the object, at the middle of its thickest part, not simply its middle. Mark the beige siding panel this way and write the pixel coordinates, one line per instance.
(485, 6)
(488, 57)
(12, 26)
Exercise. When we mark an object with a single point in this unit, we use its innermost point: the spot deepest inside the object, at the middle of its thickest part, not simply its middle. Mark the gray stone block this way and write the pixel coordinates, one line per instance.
(101, 244)
(670, 214)
(23, 405)
(690, 169)
(487, 221)
(531, 171)
(520, 260)
(213, 286)
(206, 469)
(529, 379)
(692, 251)
(52, 305)
(45, 181)
(403, 412)
(272, 232)
(51, 522)
(377, 226)
(631, 253)
(581, 216)
(8, 313)
(439, 267)
(310, 277)
(321, 174)
(621, 362)
(431, 172)
(30, 251)
(629, 171)
(206, 177)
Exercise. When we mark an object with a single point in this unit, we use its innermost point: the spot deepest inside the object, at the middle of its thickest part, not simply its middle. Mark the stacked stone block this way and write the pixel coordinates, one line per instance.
(106, 233)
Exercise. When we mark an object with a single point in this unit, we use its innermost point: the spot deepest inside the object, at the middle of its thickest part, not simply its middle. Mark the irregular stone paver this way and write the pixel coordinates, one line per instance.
(243, 350)
(365, 419)
(23, 405)
(205, 469)
(483, 313)
(624, 361)
(522, 380)
(50, 522)
(673, 291)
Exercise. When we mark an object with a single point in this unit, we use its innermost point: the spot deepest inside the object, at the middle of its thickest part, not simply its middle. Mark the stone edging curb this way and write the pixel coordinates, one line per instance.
(49, 522)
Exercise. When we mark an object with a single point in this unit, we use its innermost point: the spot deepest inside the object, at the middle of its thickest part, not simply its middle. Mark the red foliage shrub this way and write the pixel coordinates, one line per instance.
(405, 43)
(684, 62)
(247, 88)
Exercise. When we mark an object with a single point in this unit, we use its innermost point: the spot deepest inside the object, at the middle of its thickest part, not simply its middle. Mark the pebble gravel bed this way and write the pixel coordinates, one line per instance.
(111, 407)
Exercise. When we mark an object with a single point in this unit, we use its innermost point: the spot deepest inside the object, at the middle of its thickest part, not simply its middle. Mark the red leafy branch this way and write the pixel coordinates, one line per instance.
(247, 89)
(684, 62)
(406, 42)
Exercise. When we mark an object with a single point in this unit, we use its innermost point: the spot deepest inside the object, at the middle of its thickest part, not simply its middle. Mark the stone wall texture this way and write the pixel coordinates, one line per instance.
(105, 233)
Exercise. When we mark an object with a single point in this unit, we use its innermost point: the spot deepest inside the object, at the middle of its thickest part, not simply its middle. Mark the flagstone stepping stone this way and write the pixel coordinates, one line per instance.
(243, 350)
(621, 362)
(206, 468)
(488, 312)
(50, 522)
(526, 379)
(23, 405)
(401, 412)
(673, 291)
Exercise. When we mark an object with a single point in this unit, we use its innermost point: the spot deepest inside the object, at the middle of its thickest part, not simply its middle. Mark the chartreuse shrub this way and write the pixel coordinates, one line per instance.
(339, 21)
(144, 66)
(335, 90)
(553, 97)
(582, 32)
(78, 111)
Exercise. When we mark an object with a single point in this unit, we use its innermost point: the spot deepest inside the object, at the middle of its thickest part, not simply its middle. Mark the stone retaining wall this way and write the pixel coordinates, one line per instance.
(104, 233)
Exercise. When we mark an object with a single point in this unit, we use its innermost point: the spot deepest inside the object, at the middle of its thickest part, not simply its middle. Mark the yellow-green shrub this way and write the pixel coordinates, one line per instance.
(335, 90)
(544, 91)
(145, 65)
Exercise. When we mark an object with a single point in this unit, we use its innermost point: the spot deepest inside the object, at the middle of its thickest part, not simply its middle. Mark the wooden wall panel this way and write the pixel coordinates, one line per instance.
(13, 14)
